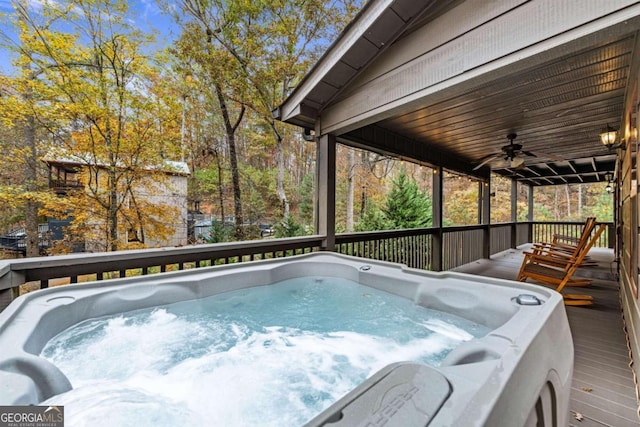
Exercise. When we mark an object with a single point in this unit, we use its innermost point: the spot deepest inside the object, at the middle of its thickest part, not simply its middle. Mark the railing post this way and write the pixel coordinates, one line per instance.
(326, 190)
(10, 281)
(436, 220)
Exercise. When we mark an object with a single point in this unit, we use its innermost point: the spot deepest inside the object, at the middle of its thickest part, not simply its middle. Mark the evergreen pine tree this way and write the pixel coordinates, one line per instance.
(406, 205)
(373, 219)
(288, 227)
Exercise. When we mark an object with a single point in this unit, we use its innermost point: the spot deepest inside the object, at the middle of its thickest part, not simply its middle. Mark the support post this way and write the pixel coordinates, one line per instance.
(10, 282)
(436, 219)
(326, 191)
(514, 213)
(530, 214)
(485, 216)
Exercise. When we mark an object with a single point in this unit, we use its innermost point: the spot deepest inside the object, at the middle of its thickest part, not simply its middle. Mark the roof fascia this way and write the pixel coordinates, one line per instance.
(356, 29)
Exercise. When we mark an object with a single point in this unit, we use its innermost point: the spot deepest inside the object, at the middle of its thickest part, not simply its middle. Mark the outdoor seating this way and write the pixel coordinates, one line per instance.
(548, 270)
(559, 251)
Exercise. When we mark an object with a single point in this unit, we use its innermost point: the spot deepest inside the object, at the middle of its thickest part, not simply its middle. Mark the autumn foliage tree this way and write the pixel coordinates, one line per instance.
(270, 44)
(91, 92)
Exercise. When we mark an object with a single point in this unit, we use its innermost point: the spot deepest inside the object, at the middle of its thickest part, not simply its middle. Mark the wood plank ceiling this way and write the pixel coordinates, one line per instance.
(556, 109)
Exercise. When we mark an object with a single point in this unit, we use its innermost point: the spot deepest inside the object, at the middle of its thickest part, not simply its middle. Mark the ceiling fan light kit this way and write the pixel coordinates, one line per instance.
(517, 162)
(512, 153)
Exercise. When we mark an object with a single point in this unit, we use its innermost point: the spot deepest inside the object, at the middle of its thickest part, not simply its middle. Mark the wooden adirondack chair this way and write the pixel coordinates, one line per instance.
(545, 269)
(561, 253)
(571, 241)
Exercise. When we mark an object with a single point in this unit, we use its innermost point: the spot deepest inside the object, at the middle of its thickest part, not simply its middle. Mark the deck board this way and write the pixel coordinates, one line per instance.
(603, 392)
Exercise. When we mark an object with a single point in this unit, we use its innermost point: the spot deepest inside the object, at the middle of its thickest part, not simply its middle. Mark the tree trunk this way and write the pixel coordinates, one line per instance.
(32, 244)
(30, 180)
(220, 185)
(235, 175)
(580, 202)
(112, 214)
(282, 195)
(351, 165)
(235, 178)
(568, 196)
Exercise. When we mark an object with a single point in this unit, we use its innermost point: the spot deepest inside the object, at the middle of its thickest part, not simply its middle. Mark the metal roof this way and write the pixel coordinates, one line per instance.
(556, 103)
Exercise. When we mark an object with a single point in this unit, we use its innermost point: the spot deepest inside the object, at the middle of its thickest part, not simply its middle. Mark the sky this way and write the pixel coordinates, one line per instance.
(146, 15)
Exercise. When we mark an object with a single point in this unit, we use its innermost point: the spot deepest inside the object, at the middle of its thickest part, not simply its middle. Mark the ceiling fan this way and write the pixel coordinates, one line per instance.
(512, 153)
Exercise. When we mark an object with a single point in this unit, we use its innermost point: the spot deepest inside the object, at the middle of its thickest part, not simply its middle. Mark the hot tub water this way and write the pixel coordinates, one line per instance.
(270, 355)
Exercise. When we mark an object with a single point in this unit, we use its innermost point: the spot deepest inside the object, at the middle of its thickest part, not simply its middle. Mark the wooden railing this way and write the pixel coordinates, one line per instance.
(416, 247)
(523, 233)
(428, 248)
(544, 232)
(461, 245)
(501, 237)
(411, 247)
(63, 186)
(100, 266)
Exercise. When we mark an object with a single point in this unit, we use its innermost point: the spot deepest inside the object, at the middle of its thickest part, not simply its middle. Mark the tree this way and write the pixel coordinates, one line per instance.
(21, 175)
(216, 70)
(351, 166)
(406, 205)
(460, 200)
(307, 200)
(19, 118)
(92, 93)
(288, 227)
(373, 219)
(272, 44)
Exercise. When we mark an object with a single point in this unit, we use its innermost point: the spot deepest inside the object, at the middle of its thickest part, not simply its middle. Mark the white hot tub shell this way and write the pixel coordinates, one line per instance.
(519, 374)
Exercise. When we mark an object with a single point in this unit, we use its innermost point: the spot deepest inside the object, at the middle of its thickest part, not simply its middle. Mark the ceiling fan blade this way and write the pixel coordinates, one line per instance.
(490, 159)
(528, 153)
(492, 155)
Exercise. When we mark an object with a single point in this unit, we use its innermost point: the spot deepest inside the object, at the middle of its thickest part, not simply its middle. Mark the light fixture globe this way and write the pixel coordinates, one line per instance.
(608, 188)
(608, 136)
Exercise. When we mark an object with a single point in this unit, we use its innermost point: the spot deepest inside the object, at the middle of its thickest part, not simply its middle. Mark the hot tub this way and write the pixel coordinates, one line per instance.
(518, 373)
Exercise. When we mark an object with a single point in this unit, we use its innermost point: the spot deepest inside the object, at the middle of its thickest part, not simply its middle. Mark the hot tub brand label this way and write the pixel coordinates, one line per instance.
(31, 416)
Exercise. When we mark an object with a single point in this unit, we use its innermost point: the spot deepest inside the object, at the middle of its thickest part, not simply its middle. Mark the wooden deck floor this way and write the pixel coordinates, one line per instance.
(603, 391)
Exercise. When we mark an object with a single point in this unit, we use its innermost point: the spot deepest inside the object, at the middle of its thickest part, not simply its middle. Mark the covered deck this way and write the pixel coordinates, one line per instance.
(530, 90)
(603, 391)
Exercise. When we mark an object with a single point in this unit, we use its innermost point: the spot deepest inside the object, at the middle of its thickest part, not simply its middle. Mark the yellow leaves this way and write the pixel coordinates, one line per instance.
(16, 196)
